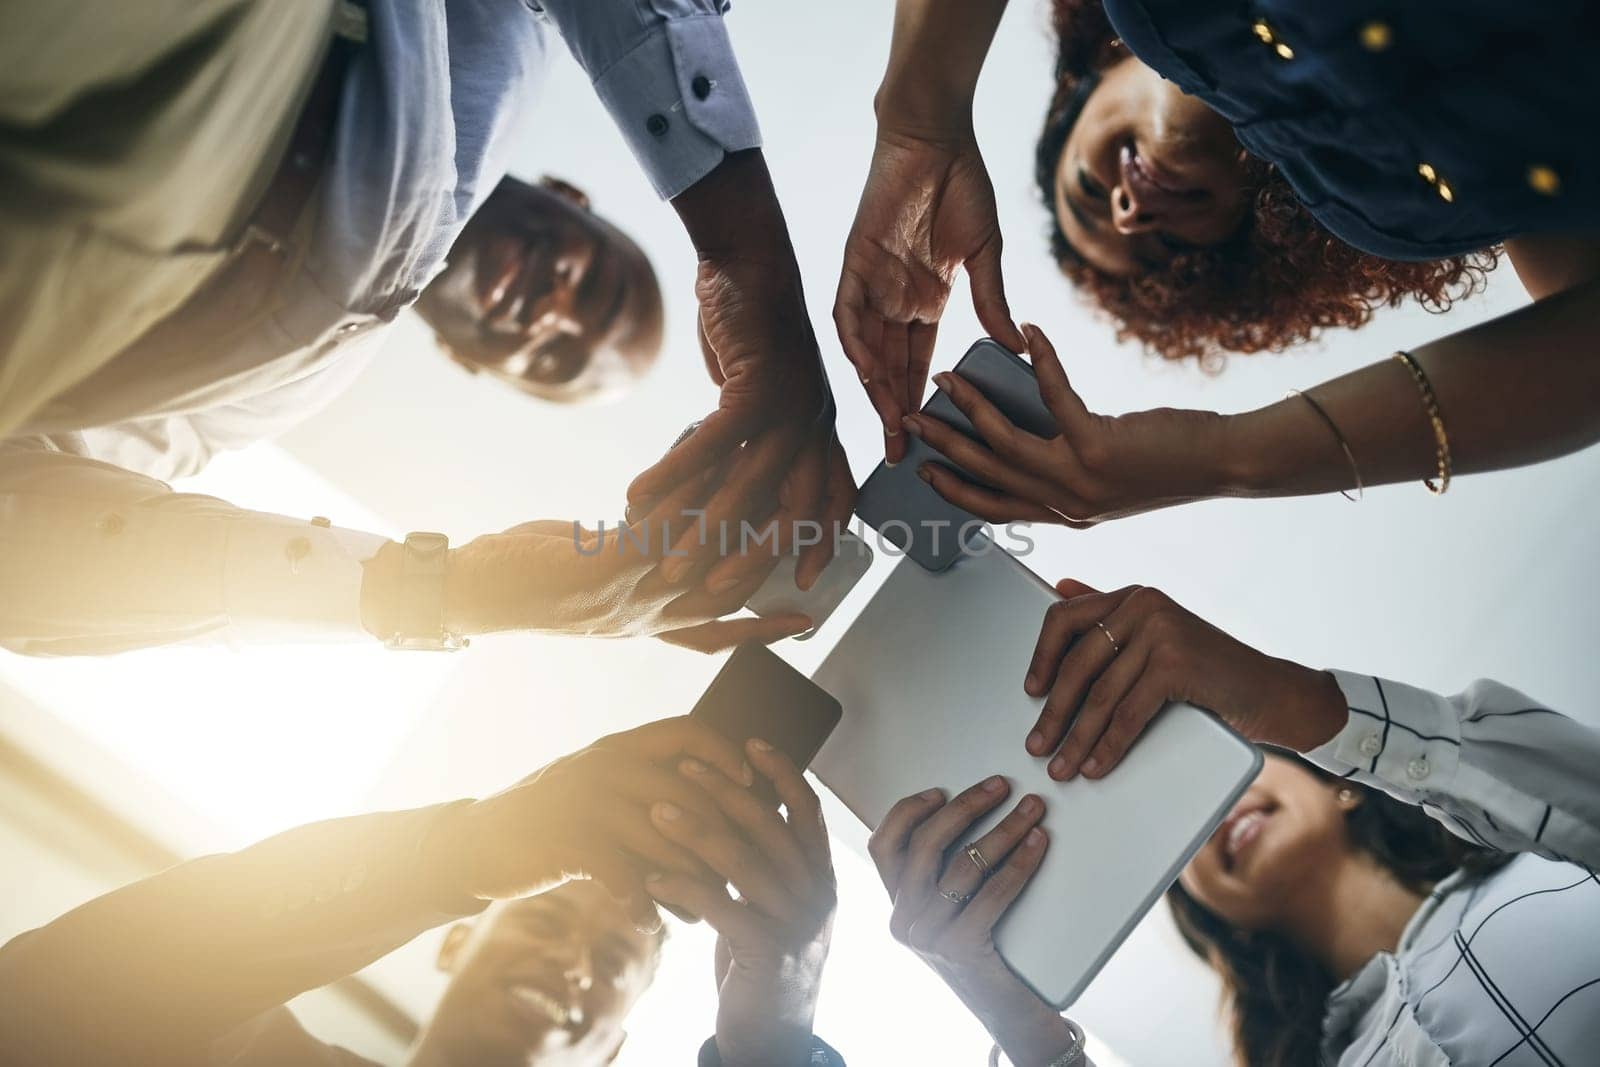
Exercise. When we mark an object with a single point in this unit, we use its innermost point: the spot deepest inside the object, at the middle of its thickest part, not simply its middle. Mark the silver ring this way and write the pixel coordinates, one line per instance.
(961, 899)
(978, 861)
(1115, 648)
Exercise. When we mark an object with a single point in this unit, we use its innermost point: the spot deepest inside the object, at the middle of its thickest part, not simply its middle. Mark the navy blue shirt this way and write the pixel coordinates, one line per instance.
(1412, 129)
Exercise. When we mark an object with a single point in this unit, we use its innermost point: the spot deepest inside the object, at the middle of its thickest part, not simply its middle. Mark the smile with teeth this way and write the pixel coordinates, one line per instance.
(1242, 831)
(544, 1006)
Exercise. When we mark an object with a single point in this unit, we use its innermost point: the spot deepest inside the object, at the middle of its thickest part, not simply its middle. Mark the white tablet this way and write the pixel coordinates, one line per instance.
(930, 679)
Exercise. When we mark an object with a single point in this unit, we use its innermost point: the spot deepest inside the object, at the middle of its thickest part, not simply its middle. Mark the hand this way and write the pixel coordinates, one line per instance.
(586, 815)
(560, 577)
(1098, 467)
(1110, 661)
(773, 426)
(773, 939)
(914, 851)
(927, 209)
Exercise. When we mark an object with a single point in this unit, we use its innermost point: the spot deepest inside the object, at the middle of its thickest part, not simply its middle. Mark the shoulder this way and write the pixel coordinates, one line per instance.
(1509, 961)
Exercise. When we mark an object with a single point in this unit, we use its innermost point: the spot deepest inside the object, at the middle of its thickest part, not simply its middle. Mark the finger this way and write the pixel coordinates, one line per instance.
(838, 505)
(713, 637)
(700, 604)
(1067, 657)
(625, 827)
(800, 803)
(978, 460)
(621, 880)
(850, 317)
(1054, 388)
(800, 497)
(989, 295)
(896, 355)
(1001, 890)
(762, 826)
(750, 491)
(669, 739)
(647, 783)
(1094, 716)
(1133, 713)
(730, 856)
(926, 854)
(1079, 608)
(986, 504)
(919, 361)
(962, 873)
(1008, 440)
(888, 843)
(721, 912)
(717, 435)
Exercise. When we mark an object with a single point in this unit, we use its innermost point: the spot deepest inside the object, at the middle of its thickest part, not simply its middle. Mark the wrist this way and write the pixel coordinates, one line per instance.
(1245, 464)
(923, 110)
(766, 1015)
(380, 591)
(1312, 708)
(732, 214)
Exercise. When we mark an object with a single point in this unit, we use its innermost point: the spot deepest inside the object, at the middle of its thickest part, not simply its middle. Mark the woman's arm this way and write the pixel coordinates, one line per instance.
(935, 57)
(1494, 766)
(1521, 389)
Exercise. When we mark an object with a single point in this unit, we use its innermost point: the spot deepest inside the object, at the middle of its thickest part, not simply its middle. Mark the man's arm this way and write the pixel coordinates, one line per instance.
(157, 971)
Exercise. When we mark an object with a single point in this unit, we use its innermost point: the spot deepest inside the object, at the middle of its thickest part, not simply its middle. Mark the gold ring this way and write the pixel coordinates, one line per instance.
(1115, 648)
(955, 898)
(978, 861)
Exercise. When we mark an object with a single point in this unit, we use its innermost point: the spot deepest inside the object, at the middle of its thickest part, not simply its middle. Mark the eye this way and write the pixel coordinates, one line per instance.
(1091, 187)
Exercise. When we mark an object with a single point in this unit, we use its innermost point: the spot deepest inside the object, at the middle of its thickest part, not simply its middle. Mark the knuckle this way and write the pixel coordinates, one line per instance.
(900, 929)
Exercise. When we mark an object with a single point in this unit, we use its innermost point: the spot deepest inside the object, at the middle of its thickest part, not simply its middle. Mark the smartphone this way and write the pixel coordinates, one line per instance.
(757, 694)
(905, 510)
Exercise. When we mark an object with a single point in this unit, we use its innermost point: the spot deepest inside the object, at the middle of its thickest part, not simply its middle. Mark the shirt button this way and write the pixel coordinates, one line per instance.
(322, 521)
(111, 524)
(1269, 37)
(701, 86)
(1376, 36)
(1417, 769)
(1544, 180)
(296, 550)
(1371, 745)
(657, 125)
(1429, 174)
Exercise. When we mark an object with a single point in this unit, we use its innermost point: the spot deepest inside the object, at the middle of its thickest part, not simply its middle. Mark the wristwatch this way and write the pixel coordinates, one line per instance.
(416, 617)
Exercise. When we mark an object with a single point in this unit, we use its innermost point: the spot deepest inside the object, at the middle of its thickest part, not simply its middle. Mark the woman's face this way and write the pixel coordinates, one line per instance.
(1289, 826)
(1147, 172)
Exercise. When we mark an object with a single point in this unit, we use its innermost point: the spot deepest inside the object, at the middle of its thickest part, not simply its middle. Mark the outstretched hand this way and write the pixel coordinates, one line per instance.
(928, 209)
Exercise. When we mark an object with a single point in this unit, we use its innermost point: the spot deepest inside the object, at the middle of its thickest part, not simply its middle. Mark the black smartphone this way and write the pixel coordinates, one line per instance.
(757, 694)
(905, 510)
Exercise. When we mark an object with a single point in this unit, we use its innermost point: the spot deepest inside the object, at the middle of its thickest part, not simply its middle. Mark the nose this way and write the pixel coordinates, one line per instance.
(1130, 214)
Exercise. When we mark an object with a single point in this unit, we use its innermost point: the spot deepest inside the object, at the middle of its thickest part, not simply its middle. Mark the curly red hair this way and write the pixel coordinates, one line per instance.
(1280, 281)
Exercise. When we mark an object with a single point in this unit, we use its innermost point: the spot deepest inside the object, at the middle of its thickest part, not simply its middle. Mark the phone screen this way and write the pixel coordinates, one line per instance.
(757, 694)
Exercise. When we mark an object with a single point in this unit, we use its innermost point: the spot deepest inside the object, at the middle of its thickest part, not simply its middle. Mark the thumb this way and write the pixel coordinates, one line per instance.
(1071, 587)
(1054, 388)
(989, 295)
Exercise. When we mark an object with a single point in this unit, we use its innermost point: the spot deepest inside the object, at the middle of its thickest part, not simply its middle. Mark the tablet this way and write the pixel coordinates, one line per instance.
(905, 510)
(930, 679)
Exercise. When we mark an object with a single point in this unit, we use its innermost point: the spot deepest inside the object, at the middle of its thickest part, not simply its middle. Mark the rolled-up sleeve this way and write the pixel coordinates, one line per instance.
(1493, 765)
(666, 72)
(97, 559)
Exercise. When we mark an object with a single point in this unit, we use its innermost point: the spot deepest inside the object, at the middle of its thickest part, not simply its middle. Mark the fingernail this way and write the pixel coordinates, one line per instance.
(653, 878)
(726, 585)
(668, 812)
(994, 785)
(1028, 328)
(1091, 766)
(931, 794)
(911, 426)
(692, 766)
(1030, 805)
(1058, 769)
(889, 463)
(1035, 837)
(942, 379)
(1036, 743)
(747, 777)
(758, 745)
(890, 431)
(925, 474)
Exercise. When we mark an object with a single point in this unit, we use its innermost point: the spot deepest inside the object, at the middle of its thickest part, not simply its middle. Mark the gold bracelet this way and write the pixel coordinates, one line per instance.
(1430, 407)
(1343, 444)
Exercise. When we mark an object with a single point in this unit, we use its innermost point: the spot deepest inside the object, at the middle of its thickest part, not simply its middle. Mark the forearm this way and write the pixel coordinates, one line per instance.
(937, 53)
(1520, 389)
(733, 214)
(154, 972)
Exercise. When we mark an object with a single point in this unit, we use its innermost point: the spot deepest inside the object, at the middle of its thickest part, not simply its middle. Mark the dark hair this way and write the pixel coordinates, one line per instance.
(1276, 994)
(1282, 279)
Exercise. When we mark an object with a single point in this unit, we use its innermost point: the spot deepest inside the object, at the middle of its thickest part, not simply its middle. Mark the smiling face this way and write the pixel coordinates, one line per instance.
(1288, 828)
(542, 293)
(1146, 173)
(548, 980)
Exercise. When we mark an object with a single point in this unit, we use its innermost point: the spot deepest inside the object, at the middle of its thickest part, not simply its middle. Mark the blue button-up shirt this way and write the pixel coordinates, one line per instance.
(1411, 130)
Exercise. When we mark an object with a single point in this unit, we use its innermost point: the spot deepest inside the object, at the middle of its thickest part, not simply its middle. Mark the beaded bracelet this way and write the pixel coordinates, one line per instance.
(1350, 456)
(1073, 1057)
(1430, 407)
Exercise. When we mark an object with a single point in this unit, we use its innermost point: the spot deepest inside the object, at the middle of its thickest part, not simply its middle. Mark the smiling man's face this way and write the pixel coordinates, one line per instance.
(548, 980)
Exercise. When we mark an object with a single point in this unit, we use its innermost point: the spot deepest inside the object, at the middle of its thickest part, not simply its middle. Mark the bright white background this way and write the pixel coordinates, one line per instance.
(1498, 578)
